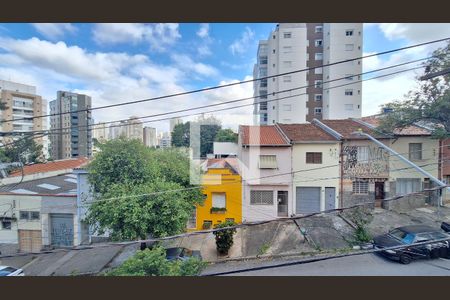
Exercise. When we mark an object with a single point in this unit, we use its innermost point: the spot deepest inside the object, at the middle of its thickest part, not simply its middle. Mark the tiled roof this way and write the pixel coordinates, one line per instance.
(305, 133)
(64, 184)
(56, 165)
(347, 127)
(264, 135)
(221, 163)
(409, 130)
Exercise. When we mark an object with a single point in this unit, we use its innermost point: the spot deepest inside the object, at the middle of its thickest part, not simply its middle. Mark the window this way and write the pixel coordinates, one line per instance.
(407, 185)
(348, 106)
(261, 197)
(6, 225)
(219, 200)
(415, 151)
(273, 51)
(207, 224)
(319, 29)
(34, 215)
(263, 60)
(313, 157)
(318, 110)
(348, 92)
(267, 161)
(229, 219)
(263, 83)
(362, 154)
(192, 221)
(349, 32)
(318, 43)
(318, 83)
(318, 56)
(287, 49)
(318, 97)
(29, 215)
(360, 187)
(287, 35)
(24, 215)
(287, 64)
(263, 106)
(318, 70)
(349, 47)
(287, 78)
(263, 72)
(287, 107)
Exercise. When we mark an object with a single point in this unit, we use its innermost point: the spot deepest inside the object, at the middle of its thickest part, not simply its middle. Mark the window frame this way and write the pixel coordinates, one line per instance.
(224, 199)
(314, 158)
(360, 187)
(260, 192)
(413, 153)
(267, 156)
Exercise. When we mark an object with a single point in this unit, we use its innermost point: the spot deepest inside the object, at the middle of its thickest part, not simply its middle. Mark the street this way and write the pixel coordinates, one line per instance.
(360, 265)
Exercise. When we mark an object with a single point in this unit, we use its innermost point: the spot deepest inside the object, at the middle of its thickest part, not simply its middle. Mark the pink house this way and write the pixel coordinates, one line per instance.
(265, 158)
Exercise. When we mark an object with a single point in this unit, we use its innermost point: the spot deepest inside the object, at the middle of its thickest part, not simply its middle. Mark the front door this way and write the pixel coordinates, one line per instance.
(379, 193)
(282, 197)
(62, 230)
(330, 198)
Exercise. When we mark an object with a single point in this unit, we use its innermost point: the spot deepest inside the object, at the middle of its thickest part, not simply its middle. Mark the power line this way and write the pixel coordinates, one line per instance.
(218, 104)
(244, 81)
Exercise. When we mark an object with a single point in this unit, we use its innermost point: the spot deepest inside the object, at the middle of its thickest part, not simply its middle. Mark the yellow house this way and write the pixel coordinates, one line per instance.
(223, 194)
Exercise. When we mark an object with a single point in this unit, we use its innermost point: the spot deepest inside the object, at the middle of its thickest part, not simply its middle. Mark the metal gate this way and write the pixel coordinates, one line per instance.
(61, 230)
(307, 200)
(30, 240)
(330, 198)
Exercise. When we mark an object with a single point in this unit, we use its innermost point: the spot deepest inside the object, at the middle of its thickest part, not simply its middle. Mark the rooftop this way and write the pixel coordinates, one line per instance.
(409, 130)
(305, 133)
(223, 163)
(57, 165)
(347, 127)
(264, 135)
(62, 185)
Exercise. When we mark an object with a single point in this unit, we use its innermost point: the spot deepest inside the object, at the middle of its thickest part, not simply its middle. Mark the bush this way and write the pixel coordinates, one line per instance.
(224, 238)
(153, 262)
(361, 217)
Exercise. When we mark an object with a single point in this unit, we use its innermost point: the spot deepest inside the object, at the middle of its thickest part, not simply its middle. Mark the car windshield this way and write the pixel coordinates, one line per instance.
(399, 234)
(6, 271)
(408, 239)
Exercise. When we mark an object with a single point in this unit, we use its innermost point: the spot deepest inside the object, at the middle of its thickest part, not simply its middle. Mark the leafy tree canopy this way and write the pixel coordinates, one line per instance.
(226, 135)
(429, 102)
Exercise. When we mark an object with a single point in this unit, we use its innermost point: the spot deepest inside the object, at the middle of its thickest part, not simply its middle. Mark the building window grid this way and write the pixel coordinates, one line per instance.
(261, 197)
(360, 187)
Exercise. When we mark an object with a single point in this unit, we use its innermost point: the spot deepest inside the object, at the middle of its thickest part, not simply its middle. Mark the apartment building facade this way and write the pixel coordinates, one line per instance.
(70, 125)
(22, 103)
(150, 137)
(302, 96)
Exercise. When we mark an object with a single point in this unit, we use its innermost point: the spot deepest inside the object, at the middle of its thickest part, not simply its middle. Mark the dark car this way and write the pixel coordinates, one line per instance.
(411, 234)
(180, 253)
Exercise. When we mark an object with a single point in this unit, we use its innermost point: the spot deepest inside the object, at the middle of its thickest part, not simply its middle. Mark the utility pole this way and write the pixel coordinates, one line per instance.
(407, 161)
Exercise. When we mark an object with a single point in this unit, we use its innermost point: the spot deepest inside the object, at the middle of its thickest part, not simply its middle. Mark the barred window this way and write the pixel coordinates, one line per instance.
(407, 185)
(261, 197)
(360, 187)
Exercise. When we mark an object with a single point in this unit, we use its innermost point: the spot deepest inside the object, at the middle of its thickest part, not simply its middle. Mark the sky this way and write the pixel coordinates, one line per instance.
(116, 63)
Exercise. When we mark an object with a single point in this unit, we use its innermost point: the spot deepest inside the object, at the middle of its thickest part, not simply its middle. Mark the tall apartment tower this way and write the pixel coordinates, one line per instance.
(22, 102)
(150, 137)
(296, 46)
(70, 129)
(134, 129)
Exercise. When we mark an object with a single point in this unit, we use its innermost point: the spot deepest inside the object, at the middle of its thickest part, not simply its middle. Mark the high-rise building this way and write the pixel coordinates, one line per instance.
(174, 122)
(297, 46)
(150, 138)
(134, 129)
(100, 132)
(22, 103)
(70, 128)
(164, 140)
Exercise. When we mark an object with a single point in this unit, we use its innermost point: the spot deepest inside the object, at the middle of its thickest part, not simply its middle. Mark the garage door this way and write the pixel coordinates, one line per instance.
(61, 230)
(30, 240)
(307, 200)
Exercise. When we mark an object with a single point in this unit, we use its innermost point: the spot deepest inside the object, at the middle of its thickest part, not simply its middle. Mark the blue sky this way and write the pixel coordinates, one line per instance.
(123, 62)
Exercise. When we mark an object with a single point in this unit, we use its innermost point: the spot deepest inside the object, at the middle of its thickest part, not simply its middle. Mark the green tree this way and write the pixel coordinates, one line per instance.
(226, 135)
(429, 101)
(141, 191)
(224, 238)
(24, 150)
(154, 263)
(180, 135)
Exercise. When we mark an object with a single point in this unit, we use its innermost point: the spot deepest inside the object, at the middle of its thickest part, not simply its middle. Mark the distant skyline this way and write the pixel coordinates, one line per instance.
(115, 63)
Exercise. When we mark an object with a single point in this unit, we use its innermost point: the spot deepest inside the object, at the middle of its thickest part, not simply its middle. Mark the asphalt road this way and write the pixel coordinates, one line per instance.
(362, 265)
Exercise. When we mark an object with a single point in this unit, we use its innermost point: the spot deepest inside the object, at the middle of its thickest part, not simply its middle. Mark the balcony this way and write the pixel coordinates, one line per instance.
(218, 210)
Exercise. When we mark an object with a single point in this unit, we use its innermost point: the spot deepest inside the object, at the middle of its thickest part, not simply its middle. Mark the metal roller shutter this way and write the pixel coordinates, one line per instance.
(307, 200)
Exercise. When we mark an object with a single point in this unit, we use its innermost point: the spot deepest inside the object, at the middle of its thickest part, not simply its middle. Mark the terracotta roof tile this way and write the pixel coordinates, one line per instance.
(52, 166)
(347, 127)
(264, 135)
(409, 130)
(229, 163)
(305, 133)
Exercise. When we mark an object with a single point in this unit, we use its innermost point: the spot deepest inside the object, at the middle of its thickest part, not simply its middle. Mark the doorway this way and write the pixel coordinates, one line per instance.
(282, 197)
(379, 193)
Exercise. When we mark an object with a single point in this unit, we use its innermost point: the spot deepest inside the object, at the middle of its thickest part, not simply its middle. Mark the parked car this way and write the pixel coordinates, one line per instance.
(411, 234)
(10, 271)
(180, 253)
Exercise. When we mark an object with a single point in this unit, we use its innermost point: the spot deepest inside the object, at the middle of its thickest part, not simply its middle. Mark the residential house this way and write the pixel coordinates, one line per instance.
(316, 168)
(264, 153)
(223, 194)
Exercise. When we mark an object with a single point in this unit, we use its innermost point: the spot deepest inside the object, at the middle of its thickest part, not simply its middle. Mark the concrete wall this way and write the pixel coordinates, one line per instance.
(316, 178)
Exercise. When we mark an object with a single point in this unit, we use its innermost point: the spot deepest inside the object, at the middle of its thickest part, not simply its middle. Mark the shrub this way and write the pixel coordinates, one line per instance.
(224, 238)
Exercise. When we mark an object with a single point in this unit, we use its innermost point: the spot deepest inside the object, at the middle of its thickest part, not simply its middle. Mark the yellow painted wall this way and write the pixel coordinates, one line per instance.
(220, 181)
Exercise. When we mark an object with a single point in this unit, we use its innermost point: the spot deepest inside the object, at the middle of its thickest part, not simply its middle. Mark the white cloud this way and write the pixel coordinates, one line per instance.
(184, 62)
(415, 32)
(203, 31)
(54, 31)
(241, 45)
(159, 36)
